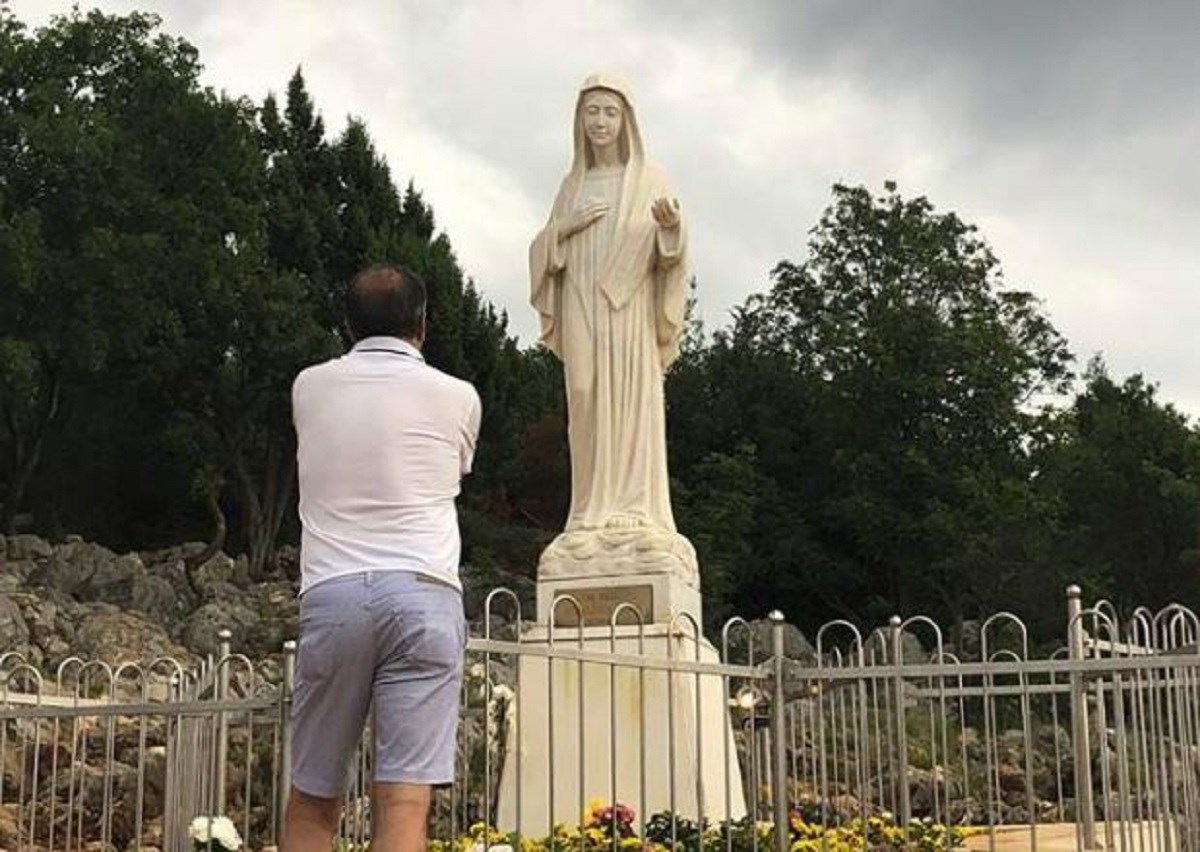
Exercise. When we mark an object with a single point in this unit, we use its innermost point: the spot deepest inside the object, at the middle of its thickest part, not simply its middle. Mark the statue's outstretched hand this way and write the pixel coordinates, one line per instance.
(583, 217)
(665, 212)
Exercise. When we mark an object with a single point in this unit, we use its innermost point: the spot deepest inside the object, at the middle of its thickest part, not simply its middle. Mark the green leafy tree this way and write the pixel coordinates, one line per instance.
(885, 383)
(1125, 477)
(741, 439)
(123, 182)
(718, 506)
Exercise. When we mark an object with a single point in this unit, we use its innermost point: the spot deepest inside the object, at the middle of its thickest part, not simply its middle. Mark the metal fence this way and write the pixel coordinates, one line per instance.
(1093, 745)
(102, 757)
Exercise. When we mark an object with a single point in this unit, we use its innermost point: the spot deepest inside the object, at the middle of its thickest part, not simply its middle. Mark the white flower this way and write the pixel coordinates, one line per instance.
(476, 671)
(220, 830)
(500, 692)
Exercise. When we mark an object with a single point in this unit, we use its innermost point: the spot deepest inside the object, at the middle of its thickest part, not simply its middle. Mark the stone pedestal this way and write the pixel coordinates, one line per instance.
(657, 599)
(653, 570)
(651, 739)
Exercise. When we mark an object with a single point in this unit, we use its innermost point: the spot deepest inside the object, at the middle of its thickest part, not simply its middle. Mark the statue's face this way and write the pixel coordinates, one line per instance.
(602, 117)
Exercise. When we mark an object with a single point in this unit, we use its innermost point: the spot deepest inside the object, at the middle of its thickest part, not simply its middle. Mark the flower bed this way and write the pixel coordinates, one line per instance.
(613, 827)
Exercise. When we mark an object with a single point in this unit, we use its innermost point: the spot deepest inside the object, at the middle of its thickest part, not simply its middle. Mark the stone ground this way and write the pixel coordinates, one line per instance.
(1061, 837)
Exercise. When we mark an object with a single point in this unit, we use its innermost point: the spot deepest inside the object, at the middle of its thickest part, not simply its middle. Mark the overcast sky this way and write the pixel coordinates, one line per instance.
(1069, 132)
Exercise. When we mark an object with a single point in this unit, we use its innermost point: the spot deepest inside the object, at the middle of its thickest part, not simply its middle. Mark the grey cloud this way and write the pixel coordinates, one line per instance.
(1066, 129)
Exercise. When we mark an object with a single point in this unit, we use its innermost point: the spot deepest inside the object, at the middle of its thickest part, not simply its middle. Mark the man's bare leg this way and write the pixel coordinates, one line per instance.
(309, 822)
(399, 813)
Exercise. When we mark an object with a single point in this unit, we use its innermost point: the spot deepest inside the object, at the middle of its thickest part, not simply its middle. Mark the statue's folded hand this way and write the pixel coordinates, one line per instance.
(582, 217)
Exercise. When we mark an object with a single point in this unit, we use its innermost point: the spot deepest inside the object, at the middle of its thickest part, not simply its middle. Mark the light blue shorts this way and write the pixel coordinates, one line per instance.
(394, 638)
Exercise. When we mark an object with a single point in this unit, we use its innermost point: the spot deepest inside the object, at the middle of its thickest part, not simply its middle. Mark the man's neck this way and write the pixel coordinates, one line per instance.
(389, 342)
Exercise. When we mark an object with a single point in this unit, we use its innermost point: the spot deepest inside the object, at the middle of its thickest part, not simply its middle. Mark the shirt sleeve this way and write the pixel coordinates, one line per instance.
(470, 433)
(296, 399)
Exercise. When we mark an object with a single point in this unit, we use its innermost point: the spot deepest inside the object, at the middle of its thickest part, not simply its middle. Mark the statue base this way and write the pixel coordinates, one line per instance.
(648, 738)
(652, 738)
(651, 569)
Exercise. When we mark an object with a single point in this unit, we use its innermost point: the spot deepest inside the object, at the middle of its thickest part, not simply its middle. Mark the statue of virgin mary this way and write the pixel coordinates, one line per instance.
(608, 278)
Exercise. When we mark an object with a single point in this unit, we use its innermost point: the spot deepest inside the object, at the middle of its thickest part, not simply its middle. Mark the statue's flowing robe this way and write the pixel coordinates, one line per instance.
(611, 300)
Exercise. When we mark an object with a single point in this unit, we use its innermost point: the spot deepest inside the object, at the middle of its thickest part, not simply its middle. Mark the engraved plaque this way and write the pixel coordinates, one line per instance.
(598, 604)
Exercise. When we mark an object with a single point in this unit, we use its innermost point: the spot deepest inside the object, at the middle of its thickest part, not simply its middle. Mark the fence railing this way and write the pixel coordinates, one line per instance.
(1101, 734)
(1098, 740)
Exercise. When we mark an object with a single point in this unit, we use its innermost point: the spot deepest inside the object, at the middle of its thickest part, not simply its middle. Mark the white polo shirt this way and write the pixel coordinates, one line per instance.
(383, 440)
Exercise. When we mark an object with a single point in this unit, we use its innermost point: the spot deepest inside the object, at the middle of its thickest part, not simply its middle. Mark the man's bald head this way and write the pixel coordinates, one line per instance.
(389, 301)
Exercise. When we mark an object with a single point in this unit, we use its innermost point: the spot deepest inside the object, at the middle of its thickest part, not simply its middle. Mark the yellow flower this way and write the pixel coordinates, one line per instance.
(593, 805)
(595, 835)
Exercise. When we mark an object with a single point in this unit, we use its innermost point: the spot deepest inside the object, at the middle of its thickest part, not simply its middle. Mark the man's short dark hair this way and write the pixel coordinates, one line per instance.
(386, 300)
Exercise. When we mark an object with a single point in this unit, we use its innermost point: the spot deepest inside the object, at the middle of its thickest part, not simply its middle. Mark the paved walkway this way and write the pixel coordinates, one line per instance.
(1061, 837)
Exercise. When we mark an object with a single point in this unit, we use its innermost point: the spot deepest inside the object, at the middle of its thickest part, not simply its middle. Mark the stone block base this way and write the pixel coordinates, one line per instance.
(656, 599)
(646, 738)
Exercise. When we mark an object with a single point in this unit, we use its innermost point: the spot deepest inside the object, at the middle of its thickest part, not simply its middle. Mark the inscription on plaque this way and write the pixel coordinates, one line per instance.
(598, 605)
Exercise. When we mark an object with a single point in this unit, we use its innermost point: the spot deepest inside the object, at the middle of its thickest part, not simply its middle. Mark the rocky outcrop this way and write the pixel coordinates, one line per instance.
(81, 599)
(77, 598)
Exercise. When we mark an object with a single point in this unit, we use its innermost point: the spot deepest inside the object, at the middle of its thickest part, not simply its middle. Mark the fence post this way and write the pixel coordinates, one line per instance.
(222, 693)
(284, 782)
(1085, 816)
(783, 840)
(895, 635)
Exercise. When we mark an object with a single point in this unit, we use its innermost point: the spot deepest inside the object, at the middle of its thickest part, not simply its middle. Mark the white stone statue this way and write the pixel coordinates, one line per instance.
(608, 275)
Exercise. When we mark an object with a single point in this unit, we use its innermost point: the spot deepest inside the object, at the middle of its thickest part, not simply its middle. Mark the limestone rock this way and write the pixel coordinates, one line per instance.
(117, 637)
(80, 598)
(277, 617)
(200, 630)
(911, 649)
(113, 579)
(51, 627)
(757, 639)
(154, 596)
(10, 833)
(71, 567)
(12, 620)
(14, 633)
(156, 781)
(42, 617)
(20, 569)
(219, 569)
(26, 546)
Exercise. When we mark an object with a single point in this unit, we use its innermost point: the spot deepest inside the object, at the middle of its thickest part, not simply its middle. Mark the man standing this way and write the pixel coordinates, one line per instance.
(383, 442)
